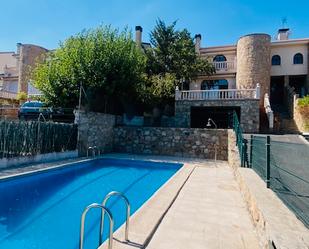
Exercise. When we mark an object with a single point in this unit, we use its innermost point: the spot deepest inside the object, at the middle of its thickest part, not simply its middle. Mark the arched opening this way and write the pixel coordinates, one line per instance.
(219, 57)
(276, 60)
(214, 84)
(298, 59)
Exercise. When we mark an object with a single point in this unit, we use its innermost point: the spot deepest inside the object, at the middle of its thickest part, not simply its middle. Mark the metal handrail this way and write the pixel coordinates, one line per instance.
(111, 225)
(113, 193)
(93, 149)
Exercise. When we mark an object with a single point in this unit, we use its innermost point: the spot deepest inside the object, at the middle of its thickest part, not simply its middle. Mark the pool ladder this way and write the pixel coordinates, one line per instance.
(111, 219)
(93, 150)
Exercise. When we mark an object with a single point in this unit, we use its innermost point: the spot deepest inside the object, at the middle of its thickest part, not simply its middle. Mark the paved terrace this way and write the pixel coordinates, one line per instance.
(200, 207)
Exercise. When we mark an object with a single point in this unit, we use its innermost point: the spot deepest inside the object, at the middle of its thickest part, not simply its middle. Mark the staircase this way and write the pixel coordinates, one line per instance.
(284, 124)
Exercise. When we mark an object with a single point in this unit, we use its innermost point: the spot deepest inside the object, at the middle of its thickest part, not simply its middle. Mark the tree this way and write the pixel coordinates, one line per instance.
(171, 61)
(105, 61)
(174, 52)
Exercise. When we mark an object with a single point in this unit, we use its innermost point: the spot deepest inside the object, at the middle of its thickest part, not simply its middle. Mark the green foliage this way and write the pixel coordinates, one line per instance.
(174, 52)
(171, 61)
(105, 61)
(22, 96)
(30, 138)
(304, 101)
(157, 89)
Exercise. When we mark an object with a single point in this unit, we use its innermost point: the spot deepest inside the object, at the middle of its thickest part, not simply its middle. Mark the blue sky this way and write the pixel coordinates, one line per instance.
(46, 22)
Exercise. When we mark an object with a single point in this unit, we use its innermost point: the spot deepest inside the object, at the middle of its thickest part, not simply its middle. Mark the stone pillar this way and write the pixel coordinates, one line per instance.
(253, 63)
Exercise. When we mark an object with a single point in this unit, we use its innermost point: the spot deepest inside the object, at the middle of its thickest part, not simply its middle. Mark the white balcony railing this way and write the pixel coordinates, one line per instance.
(8, 95)
(224, 66)
(228, 94)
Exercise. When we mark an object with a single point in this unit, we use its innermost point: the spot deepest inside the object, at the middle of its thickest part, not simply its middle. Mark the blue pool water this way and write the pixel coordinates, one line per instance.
(43, 210)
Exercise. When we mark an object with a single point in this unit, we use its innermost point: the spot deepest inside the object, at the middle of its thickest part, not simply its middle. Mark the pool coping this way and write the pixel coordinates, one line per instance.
(33, 169)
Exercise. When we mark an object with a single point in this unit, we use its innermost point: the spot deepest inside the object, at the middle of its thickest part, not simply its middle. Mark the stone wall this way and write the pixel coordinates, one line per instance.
(249, 111)
(183, 142)
(301, 117)
(233, 152)
(253, 62)
(95, 129)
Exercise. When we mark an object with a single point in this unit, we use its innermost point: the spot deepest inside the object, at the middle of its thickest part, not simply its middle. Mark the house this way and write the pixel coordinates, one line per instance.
(251, 78)
(15, 70)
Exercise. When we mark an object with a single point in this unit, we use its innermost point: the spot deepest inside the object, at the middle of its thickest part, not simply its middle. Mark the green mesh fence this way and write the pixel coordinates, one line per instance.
(288, 172)
(240, 141)
(31, 138)
(289, 176)
(258, 155)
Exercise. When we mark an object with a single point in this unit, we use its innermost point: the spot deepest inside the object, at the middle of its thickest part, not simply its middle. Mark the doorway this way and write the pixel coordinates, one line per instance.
(221, 115)
(277, 90)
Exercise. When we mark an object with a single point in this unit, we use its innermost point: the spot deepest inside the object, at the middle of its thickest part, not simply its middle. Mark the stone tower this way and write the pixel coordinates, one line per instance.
(28, 56)
(253, 63)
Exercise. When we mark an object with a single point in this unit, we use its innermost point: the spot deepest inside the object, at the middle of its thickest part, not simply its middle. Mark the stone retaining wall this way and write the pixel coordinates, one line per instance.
(99, 129)
(301, 117)
(184, 142)
(95, 129)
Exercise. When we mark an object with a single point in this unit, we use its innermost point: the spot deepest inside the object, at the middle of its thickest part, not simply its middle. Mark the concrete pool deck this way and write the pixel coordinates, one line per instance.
(200, 207)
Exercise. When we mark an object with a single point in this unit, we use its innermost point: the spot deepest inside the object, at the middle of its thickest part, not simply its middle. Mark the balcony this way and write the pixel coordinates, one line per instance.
(226, 94)
(224, 66)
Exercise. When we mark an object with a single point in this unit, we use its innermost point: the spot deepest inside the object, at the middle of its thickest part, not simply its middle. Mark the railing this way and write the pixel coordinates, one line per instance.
(8, 95)
(269, 112)
(82, 225)
(229, 94)
(240, 141)
(128, 210)
(224, 66)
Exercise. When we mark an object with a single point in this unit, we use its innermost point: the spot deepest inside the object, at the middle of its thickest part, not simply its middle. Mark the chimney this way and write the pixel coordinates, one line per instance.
(283, 34)
(198, 39)
(138, 35)
(18, 45)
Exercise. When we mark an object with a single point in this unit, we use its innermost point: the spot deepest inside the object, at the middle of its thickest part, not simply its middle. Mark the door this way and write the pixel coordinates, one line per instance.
(277, 90)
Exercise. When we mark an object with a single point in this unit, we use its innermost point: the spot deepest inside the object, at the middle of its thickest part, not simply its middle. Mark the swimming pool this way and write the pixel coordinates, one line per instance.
(43, 210)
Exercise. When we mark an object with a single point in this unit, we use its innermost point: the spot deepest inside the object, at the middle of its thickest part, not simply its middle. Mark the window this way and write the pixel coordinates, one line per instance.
(298, 59)
(219, 58)
(276, 60)
(214, 84)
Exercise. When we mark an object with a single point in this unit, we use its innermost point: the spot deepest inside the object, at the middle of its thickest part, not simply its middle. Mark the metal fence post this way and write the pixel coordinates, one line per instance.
(251, 149)
(268, 161)
(244, 152)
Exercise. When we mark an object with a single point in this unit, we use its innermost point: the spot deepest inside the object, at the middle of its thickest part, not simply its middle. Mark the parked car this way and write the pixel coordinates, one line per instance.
(31, 110)
(63, 115)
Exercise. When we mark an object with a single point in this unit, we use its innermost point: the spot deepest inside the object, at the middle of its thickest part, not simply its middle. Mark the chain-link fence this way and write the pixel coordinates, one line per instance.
(31, 138)
(285, 168)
